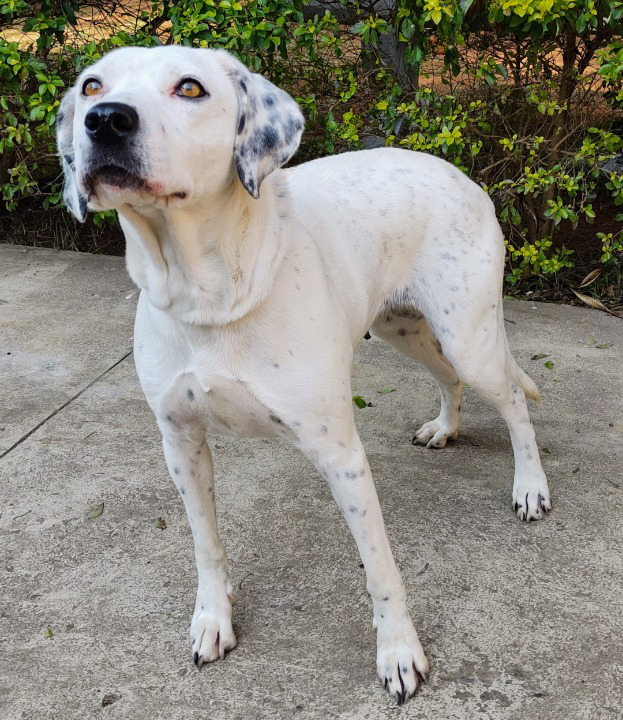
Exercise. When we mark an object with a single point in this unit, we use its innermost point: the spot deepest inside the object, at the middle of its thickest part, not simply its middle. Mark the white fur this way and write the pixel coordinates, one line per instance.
(250, 308)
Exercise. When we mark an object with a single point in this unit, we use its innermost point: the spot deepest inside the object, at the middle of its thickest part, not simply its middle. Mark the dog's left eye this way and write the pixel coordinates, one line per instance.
(190, 89)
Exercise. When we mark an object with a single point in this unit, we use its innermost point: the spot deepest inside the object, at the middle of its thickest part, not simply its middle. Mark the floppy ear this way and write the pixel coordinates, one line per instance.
(269, 127)
(74, 199)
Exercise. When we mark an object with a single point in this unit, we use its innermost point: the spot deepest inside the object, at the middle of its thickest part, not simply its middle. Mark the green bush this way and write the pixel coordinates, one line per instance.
(524, 95)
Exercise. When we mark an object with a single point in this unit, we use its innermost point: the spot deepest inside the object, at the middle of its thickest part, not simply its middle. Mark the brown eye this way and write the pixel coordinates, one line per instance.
(91, 87)
(190, 89)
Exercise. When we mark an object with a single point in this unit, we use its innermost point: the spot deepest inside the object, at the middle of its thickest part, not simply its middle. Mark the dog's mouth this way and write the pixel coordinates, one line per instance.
(115, 176)
(112, 182)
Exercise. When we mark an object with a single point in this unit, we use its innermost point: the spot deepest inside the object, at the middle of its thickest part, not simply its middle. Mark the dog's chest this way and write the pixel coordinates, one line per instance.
(224, 405)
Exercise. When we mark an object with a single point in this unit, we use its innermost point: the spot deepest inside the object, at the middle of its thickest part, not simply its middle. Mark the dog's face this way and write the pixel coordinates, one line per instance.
(170, 125)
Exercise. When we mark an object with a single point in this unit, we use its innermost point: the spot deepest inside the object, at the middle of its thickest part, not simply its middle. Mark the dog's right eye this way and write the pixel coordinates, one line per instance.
(91, 87)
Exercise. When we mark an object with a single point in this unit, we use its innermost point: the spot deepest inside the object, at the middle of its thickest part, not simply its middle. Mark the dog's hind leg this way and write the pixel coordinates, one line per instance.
(190, 465)
(475, 344)
(411, 334)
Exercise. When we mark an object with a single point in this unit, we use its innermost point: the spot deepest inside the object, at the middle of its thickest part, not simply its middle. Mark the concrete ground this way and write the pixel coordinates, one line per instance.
(519, 621)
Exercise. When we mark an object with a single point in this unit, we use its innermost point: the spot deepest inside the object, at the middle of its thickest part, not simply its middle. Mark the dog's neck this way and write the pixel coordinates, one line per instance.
(212, 263)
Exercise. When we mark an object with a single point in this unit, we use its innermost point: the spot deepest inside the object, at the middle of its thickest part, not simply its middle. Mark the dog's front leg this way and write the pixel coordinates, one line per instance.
(401, 663)
(190, 464)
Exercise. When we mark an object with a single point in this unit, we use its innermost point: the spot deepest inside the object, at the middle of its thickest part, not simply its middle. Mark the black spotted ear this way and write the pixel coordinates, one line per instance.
(269, 127)
(74, 199)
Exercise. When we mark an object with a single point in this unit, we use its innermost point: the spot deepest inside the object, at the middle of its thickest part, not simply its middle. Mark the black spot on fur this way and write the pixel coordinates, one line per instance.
(269, 137)
(190, 394)
(291, 129)
(241, 122)
(276, 419)
(402, 332)
(268, 100)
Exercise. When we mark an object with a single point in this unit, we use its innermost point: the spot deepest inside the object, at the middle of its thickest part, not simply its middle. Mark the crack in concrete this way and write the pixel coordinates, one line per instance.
(63, 406)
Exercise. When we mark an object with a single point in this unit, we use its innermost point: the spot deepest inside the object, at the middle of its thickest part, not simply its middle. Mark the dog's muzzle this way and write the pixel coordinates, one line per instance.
(113, 159)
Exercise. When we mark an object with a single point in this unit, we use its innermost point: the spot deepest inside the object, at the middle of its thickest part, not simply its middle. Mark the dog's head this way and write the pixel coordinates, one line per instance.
(160, 126)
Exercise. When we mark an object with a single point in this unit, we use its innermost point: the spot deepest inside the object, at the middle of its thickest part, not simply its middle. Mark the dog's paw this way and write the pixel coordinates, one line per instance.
(401, 666)
(531, 500)
(435, 434)
(211, 637)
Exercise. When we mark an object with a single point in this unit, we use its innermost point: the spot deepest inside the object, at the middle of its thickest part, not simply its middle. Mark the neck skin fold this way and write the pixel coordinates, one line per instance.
(212, 262)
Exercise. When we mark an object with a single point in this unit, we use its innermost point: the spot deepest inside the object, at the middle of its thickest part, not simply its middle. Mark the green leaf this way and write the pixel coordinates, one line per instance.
(160, 523)
(47, 633)
(604, 346)
(386, 390)
(549, 365)
(95, 511)
(360, 402)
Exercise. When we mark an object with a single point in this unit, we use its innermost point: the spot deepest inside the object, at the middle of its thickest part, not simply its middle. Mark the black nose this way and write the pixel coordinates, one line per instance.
(111, 122)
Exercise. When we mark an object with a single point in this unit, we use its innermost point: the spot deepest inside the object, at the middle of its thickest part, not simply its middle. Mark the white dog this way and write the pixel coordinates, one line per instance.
(257, 283)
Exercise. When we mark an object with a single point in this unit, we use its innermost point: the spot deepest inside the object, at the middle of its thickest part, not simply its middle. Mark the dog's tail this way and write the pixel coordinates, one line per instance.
(525, 382)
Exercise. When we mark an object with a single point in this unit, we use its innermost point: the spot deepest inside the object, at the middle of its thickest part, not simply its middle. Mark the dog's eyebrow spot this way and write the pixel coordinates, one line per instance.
(402, 332)
(190, 394)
